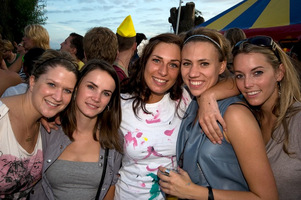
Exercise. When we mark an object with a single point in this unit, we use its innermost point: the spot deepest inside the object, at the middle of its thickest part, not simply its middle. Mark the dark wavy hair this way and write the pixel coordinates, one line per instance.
(109, 120)
(136, 85)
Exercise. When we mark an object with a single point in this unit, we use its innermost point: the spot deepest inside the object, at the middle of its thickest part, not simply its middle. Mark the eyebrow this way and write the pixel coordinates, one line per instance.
(92, 83)
(97, 86)
(48, 79)
(200, 60)
(254, 69)
(173, 60)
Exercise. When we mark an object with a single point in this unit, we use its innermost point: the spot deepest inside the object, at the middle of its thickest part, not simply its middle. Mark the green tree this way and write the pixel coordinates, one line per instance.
(16, 14)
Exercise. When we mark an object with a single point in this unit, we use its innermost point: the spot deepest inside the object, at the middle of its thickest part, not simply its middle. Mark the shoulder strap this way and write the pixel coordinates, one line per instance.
(103, 173)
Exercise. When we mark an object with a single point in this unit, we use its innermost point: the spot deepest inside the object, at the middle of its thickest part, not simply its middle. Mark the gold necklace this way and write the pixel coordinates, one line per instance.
(29, 138)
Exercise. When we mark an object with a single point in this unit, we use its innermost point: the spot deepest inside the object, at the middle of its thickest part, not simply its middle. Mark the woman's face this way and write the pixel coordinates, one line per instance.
(94, 93)
(52, 91)
(162, 69)
(200, 66)
(28, 43)
(256, 78)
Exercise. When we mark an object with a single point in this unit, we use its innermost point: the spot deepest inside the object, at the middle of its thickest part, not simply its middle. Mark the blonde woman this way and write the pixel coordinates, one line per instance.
(236, 169)
(268, 80)
(34, 36)
(21, 154)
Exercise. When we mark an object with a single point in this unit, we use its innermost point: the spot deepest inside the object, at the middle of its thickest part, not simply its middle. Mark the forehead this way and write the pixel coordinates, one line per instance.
(167, 49)
(56, 69)
(59, 74)
(68, 39)
(99, 77)
(200, 44)
(247, 61)
(204, 48)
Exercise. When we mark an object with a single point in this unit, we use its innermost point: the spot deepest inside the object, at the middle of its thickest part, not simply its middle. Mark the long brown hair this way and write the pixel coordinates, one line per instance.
(136, 85)
(108, 121)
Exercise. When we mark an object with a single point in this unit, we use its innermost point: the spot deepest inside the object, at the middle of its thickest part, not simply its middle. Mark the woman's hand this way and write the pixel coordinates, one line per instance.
(20, 48)
(48, 125)
(176, 183)
(209, 116)
(3, 65)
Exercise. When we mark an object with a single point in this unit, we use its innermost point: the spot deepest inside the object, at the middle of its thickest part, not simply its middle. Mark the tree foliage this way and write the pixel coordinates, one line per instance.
(16, 14)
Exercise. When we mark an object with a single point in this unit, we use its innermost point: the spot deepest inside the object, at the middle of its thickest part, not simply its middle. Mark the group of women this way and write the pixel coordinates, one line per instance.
(160, 145)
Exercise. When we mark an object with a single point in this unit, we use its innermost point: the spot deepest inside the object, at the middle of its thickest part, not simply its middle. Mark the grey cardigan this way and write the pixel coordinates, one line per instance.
(54, 144)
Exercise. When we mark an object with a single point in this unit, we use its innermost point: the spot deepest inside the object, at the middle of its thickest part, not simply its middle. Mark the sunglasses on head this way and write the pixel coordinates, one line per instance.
(262, 41)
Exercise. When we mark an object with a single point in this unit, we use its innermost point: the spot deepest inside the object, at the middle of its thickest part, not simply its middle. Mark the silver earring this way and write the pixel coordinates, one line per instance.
(108, 107)
(279, 88)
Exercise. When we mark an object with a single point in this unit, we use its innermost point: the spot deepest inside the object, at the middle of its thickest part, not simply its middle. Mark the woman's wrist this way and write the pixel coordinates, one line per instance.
(210, 193)
(207, 97)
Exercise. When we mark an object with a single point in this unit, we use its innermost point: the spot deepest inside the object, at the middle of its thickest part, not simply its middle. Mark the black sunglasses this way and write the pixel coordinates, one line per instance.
(262, 41)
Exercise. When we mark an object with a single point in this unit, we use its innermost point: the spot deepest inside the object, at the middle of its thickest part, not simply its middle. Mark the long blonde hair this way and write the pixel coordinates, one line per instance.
(289, 88)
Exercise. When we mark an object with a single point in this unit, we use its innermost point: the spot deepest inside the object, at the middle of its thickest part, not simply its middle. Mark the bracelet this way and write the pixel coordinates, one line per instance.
(210, 193)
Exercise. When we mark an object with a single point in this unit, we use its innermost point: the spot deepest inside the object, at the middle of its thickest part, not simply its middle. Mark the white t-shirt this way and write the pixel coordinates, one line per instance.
(19, 170)
(149, 142)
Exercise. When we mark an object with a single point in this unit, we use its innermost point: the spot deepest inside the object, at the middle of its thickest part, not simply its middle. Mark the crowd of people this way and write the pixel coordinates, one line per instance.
(199, 115)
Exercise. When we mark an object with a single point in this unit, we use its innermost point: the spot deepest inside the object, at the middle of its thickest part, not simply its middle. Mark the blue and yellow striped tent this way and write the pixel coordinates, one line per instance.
(281, 19)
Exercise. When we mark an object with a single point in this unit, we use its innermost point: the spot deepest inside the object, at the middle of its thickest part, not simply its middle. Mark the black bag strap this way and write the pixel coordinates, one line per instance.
(103, 173)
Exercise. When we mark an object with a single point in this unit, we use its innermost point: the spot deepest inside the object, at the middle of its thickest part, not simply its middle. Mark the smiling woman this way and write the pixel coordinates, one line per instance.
(153, 105)
(268, 80)
(88, 142)
(50, 89)
(236, 169)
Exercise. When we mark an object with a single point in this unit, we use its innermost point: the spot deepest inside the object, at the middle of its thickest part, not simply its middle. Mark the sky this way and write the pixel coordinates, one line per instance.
(149, 16)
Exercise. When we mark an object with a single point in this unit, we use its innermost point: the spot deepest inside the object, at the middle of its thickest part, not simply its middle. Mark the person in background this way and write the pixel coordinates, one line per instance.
(139, 38)
(126, 36)
(9, 55)
(7, 78)
(236, 169)
(50, 88)
(19, 48)
(34, 36)
(100, 43)
(268, 80)
(30, 57)
(88, 136)
(295, 54)
(74, 45)
(234, 35)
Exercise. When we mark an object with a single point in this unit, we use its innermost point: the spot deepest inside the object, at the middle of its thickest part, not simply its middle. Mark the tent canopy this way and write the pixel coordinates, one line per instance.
(281, 19)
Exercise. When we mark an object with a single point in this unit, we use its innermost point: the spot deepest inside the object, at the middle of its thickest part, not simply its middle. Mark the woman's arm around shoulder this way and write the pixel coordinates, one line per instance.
(209, 114)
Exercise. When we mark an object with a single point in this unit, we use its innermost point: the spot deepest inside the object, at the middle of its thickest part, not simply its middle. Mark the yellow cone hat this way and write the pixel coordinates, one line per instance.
(126, 28)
